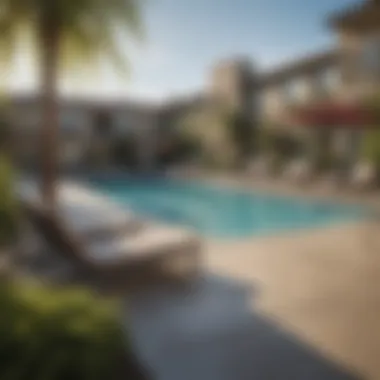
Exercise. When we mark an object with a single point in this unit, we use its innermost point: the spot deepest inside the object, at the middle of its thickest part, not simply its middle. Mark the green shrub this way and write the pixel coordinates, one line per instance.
(241, 132)
(178, 148)
(4, 134)
(8, 204)
(371, 148)
(281, 145)
(57, 334)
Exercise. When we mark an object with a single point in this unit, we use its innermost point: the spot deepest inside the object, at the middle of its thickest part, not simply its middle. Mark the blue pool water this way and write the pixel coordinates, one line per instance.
(222, 212)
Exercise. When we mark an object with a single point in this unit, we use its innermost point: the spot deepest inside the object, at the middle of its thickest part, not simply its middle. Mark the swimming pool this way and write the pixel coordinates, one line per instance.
(222, 212)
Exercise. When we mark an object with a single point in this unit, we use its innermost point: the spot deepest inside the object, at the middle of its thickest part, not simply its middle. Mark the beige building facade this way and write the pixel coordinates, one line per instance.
(87, 129)
(350, 70)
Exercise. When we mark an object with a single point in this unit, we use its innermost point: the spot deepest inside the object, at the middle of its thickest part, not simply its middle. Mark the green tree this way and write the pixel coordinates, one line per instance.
(371, 141)
(8, 204)
(58, 334)
(371, 148)
(64, 34)
(241, 133)
(209, 129)
(373, 105)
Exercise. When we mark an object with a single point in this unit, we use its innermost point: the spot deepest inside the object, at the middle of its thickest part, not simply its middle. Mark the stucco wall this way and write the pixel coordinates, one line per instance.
(301, 89)
(359, 77)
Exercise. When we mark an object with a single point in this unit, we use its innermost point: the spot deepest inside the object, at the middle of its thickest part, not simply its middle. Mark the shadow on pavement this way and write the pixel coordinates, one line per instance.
(210, 331)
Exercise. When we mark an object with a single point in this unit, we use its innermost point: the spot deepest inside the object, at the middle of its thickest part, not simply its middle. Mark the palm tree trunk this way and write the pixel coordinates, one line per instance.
(50, 112)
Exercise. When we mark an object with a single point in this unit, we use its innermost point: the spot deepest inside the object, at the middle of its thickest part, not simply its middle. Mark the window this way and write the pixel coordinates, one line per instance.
(72, 150)
(73, 117)
(125, 122)
(288, 92)
(103, 123)
(329, 80)
(371, 55)
(294, 91)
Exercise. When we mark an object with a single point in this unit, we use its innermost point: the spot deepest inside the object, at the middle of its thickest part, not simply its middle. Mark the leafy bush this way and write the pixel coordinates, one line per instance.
(4, 134)
(241, 133)
(178, 148)
(57, 334)
(281, 145)
(8, 205)
(371, 148)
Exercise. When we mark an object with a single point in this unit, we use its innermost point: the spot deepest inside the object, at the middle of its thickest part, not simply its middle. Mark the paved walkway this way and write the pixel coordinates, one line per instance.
(300, 306)
(304, 306)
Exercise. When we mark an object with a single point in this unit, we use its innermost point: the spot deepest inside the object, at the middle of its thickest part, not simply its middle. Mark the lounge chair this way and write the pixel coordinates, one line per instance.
(114, 256)
(298, 170)
(89, 213)
(260, 166)
(363, 176)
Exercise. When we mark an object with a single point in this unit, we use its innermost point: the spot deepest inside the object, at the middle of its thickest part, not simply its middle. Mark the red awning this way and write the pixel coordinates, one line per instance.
(335, 115)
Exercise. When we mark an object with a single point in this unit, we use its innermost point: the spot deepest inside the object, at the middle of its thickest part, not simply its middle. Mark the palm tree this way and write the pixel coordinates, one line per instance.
(64, 34)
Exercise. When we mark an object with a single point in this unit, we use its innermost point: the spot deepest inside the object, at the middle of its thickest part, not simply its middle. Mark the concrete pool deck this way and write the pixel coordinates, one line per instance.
(304, 305)
(322, 286)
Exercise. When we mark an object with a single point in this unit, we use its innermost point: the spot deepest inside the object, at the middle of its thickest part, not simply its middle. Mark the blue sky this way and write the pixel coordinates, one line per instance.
(186, 37)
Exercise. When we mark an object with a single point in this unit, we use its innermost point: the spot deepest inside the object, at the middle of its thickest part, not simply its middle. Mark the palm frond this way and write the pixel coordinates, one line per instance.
(91, 31)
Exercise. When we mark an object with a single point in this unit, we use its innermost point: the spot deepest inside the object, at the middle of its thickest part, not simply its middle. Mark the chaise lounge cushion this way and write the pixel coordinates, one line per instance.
(81, 210)
(152, 240)
(85, 212)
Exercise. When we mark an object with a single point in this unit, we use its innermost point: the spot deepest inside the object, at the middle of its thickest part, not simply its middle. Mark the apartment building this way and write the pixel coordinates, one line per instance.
(87, 128)
(344, 75)
(349, 71)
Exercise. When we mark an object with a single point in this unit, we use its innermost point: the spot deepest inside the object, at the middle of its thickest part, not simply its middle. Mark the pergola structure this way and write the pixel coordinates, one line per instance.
(342, 121)
(348, 115)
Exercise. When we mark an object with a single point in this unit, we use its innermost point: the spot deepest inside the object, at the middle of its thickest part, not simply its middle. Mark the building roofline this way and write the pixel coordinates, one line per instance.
(87, 102)
(350, 14)
(300, 66)
(183, 101)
